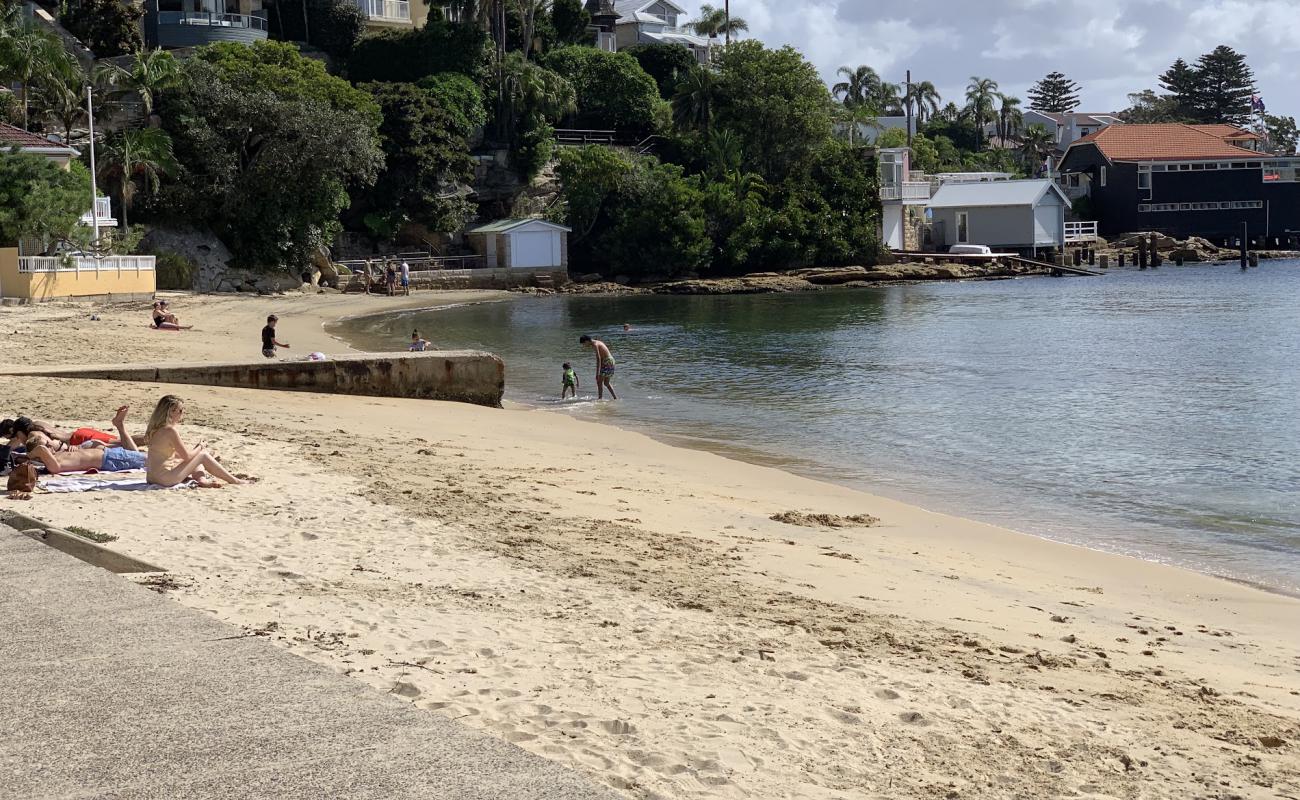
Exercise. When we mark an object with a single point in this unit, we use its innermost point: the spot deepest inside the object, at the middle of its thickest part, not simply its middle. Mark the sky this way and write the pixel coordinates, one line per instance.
(1110, 47)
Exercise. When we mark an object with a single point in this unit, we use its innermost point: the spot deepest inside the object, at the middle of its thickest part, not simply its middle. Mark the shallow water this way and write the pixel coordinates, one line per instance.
(1149, 413)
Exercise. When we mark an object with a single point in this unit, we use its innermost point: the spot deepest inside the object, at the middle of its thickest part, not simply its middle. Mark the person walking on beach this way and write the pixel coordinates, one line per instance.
(604, 366)
(406, 277)
(568, 382)
(269, 342)
(390, 277)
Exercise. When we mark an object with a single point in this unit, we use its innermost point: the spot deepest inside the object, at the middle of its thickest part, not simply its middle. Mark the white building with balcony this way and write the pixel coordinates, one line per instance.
(903, 196)
(657, 22)
(381, 14)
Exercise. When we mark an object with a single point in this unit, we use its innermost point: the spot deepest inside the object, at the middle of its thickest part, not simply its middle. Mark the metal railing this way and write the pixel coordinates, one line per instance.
(83, 263)
(208, 19)
(103, 211)
(396, 10)
(908, 190)
(578, 136)
(1080, 231)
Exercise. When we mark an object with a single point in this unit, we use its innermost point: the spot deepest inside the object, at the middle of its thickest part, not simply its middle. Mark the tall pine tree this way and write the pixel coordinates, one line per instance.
(1225, 85)
(1054, 94)
(1183, 84)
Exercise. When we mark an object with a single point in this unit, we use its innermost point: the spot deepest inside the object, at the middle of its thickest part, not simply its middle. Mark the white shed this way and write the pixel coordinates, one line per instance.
(522, 244)
(1005, 215)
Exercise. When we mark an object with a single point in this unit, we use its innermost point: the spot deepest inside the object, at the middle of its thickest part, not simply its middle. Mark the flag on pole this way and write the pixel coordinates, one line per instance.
(1257, 104)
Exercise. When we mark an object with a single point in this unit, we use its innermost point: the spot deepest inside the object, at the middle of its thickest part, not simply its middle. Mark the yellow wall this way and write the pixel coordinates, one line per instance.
(50, 285)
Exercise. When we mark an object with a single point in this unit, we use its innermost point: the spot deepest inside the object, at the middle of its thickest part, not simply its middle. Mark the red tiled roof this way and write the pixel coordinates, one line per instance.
(1225, 131)
(17, 137)
(1164, 142)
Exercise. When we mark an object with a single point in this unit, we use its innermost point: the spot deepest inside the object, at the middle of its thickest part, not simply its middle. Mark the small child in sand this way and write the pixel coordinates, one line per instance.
(569, 381)
(418, 345)
(269, 342)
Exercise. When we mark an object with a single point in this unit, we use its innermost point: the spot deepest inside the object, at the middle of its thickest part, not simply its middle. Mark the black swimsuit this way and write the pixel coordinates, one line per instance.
(158, 321)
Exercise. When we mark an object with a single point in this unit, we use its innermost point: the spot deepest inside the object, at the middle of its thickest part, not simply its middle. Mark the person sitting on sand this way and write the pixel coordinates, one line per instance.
(101, 457)
(170, 462)
(604, 366)
(418, 345)
(165, 320)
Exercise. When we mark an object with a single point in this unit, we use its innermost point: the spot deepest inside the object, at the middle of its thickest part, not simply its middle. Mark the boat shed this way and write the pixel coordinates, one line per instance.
(1022, 215)
(522, 244)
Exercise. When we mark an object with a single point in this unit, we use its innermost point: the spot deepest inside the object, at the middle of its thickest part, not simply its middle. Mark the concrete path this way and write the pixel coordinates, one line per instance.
(110, 690)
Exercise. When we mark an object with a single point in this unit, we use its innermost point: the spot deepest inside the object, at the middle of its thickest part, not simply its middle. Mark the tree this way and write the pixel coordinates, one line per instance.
(1054, 94)
(1147, 107)
(532, 100)
(860, 87)
(1182, 83)
(776, 102)
(632, 214)
(38, 199)
(1035, 146)
(570, 21)
(851, 119)
(150, 72)
(924, 97)
(269, 147)
(1010, 118)
(31, 56)
(981, 94)
(335, 26)
(666, 63)
(713, 23)
(696, 99)
(406, 56)
(107, 27)
(1225, 86)
(613, 91)
(63, 101)
(460, 97)
(1281, 134)
(133, 159)
(425, 156)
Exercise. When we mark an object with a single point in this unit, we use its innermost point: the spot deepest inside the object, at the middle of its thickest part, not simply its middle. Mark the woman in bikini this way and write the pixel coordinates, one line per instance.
(170, 461)
(165, 320)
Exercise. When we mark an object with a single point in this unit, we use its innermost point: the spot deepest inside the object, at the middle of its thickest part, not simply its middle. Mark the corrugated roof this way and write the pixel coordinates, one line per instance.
(1163, 142)
(504, 225)
(17, 137)
(991, 193)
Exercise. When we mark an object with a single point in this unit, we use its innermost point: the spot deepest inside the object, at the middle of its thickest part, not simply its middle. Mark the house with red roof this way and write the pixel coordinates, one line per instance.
(1184, 180)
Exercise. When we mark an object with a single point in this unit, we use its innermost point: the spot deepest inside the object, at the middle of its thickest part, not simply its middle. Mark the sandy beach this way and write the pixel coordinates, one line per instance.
(672, 623)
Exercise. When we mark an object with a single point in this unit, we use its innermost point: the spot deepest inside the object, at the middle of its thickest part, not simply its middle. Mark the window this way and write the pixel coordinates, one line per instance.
(963, 227)
(1144, 181)
(1102, 180)
(1216, 205)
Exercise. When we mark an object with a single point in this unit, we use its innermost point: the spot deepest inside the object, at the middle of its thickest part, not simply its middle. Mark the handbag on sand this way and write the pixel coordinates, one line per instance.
(22, 481)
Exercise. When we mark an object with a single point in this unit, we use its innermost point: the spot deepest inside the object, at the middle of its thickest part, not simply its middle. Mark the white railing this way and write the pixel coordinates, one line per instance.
(103, 211)
(908, 190)
(394, 10)
(1080, 231)
(83, 263)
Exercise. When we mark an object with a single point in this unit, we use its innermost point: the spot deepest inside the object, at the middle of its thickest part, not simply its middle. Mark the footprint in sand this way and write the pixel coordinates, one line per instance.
(914, 718)
(887, 694)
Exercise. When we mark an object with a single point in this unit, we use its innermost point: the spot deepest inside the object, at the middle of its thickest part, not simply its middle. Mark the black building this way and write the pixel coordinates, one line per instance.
(1184, 180)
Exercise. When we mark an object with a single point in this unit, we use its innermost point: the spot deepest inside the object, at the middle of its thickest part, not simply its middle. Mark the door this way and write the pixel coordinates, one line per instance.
(963, 227)
(530, 250)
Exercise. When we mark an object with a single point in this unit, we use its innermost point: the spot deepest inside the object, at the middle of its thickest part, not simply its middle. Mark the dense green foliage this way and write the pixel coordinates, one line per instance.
(335, 26)
(38, 199)
(1217, 88)
(1055, 93)
(532, 100)
(108, 27)
(407, 56)
(173, 270)
(569, 21)
(269, 145)
(1282, 133)
(666, 63)
(460, 97)
(613, 91)
(425, 156)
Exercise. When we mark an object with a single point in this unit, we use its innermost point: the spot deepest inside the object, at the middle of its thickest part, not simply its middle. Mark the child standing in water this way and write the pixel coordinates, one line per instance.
(604, 366)
(570, 381)
(418, 345)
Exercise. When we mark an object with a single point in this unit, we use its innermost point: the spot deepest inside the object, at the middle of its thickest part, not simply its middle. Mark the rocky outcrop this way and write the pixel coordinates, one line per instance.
(211, 260)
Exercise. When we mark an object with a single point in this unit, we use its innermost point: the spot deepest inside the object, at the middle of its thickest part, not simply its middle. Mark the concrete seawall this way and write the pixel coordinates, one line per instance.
(463, 376)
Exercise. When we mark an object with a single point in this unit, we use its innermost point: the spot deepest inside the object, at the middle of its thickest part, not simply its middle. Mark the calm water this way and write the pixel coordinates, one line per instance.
(1149, 413)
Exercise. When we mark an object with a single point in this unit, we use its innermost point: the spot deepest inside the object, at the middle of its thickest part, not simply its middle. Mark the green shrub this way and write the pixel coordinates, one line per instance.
(173, 270)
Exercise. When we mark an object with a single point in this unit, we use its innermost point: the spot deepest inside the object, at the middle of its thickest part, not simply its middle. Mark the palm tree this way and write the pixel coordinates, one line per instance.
(1036, 144)
(143, 153)
(854, 118)
(980, 94)
(149, 73)
(889, 100)
(31, 56)
(696, 96)
(529, 89)
(64, 101)
(925, 97)
(860, 87)
(713, 23)
(724, 152)
(1010, 118)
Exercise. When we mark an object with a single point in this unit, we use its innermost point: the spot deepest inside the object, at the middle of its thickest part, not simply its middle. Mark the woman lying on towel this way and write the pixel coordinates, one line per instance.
(16, 431)
(118, 458)
(170, 461)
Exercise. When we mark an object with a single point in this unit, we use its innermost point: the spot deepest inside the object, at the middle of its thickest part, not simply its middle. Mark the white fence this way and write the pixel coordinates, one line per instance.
(30, 264)
(908, 190)
(394, 10)
(103, 211)
(1080, 232)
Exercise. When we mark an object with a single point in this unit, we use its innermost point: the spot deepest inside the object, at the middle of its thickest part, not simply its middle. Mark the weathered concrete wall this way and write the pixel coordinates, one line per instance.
(463, 376)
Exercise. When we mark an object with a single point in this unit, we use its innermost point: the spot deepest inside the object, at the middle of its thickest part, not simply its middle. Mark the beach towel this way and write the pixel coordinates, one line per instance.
(117, 481)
